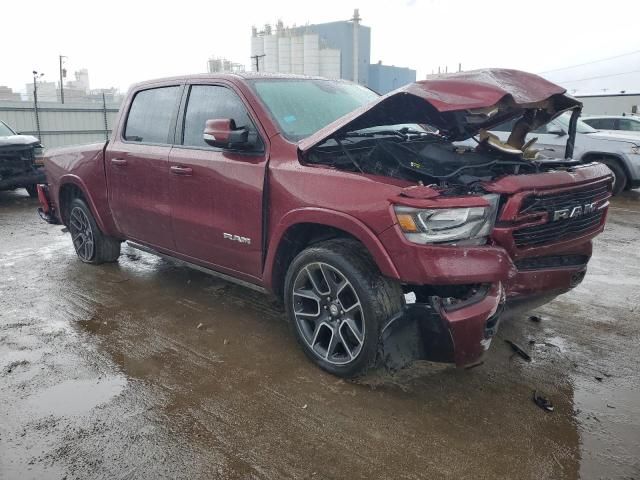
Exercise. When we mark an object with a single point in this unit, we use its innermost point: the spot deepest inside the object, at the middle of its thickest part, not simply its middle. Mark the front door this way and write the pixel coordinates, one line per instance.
(137, 165)
(217, 194)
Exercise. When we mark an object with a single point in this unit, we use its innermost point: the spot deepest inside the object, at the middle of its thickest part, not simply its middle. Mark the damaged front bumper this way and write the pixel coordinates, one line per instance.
(46, 210)
(431, 330)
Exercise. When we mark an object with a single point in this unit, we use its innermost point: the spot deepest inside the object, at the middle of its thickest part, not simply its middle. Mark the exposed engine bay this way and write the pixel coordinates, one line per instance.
(424, 156)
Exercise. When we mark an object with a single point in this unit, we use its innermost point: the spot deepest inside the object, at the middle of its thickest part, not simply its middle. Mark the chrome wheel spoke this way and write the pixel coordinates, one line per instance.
(351, 325)
(81, 234)
(328, 313)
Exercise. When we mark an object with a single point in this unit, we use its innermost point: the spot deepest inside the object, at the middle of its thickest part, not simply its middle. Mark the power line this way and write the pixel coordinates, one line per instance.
(594, 61)
(599, 76)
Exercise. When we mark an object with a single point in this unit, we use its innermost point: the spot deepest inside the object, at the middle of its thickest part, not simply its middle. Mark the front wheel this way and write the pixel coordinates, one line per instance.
(619, 175)
(91, 245)
(337, 300)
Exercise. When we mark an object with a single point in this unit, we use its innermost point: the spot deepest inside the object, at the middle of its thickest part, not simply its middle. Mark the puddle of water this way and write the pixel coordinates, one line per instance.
(610, 429)
(75, 397)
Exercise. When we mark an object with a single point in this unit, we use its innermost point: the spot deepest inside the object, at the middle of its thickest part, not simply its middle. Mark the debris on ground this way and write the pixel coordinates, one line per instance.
(200, 326)
(542, 402)
(610, 406)
(535, 318)
(304, 406)
(519, 350)
(226, 341)
(598, 378)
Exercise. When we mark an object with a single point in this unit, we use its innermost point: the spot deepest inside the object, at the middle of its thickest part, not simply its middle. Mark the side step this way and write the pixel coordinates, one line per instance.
(184, 263)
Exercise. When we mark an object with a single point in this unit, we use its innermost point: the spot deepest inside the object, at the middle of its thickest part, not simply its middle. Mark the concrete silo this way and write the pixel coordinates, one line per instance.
(330, 63)
(297, 54)
(284, 54)
(311, 54)
(257, 52)
(271, 53)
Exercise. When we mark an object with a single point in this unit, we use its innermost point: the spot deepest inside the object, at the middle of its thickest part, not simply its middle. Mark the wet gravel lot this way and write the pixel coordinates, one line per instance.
(143, 369)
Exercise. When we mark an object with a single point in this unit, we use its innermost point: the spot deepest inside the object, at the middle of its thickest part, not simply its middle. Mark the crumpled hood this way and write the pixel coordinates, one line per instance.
(459, 104)
(18, 141)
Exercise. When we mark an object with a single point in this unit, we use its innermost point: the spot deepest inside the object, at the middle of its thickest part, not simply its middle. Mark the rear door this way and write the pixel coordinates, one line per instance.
(137, 165)
(217, 194)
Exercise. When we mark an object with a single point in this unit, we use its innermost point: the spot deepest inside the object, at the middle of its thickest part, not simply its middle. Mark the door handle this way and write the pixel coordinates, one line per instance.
(120, 162)
(180, 170)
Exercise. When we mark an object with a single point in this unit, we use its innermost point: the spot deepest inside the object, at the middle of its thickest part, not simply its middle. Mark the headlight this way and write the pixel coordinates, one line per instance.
(467, 225)
(635, 149)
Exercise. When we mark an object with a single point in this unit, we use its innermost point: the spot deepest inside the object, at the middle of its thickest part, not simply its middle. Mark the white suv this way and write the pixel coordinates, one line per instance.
(613, 122)
(618, 150)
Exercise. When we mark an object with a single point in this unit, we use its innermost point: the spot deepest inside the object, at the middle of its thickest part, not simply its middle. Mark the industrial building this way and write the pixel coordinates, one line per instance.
(334, 50)
(223, 65)
(610, 104)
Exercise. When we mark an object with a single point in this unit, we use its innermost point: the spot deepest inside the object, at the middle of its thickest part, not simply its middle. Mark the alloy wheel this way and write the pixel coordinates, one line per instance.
(81, 234)
(328, 313)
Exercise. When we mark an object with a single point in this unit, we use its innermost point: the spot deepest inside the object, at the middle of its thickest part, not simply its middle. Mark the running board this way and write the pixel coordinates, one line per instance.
(206, 270)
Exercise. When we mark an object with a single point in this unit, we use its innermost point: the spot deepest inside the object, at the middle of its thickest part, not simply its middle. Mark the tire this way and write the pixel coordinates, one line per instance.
(32, 190)
(619, 175)
(343, 337)
(91, 245)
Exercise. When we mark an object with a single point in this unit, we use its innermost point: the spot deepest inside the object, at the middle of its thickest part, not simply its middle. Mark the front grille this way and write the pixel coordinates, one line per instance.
(556, 261)
(564, 229)
(555, 201)
(557, 231)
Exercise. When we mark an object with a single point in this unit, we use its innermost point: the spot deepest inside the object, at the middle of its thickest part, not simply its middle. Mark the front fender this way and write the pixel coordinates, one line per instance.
(330, 218)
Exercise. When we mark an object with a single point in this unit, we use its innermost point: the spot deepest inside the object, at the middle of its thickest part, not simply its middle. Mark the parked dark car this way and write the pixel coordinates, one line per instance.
(384, 240)
(20, 161)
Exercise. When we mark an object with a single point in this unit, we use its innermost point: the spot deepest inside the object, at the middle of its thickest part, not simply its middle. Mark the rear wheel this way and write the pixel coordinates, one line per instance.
(337, 300)
(619, 175)
(91, 245)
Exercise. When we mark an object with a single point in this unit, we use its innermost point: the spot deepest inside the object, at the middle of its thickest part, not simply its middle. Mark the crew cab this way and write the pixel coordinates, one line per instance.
(385, 241)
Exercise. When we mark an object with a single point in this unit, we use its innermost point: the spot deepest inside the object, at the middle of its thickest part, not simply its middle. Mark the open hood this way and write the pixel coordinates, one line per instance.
(459, 104)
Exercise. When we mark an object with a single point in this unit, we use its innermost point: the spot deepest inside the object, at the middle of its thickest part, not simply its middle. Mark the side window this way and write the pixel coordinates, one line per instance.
(151, 114)
(207, 102)
(594, 122)
(506, 126)
(607, 124)
(543, 128)
(626, 124)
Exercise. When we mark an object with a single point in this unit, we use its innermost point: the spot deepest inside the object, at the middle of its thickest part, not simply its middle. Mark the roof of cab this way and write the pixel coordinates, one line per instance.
(231, 77)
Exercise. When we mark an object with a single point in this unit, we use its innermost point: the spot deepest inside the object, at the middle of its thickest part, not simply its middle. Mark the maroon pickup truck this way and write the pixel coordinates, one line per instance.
(386, 240)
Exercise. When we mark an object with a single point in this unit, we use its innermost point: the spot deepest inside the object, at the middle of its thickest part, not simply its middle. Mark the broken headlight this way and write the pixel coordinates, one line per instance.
(462, 226)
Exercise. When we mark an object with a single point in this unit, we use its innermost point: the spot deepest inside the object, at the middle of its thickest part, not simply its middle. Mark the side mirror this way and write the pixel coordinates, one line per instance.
(222, 133)
(555, 130)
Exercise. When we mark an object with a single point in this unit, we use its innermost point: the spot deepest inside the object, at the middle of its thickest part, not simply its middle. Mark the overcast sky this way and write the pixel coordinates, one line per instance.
(122, 42)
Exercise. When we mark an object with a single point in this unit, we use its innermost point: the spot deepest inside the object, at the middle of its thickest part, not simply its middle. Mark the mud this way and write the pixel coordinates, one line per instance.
(104, 373)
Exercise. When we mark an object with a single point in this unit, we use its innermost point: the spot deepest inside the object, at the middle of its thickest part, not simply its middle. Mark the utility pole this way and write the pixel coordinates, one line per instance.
(256, 58)
(36, 76)
(63, 74)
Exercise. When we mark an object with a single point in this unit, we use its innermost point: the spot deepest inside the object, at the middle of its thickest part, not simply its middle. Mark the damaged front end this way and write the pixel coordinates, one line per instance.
(451, 329)
(473, 225)
(20, 161)
(409, 134)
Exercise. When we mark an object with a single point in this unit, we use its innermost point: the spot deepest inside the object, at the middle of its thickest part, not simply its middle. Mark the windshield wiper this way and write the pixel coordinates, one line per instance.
(403, 133)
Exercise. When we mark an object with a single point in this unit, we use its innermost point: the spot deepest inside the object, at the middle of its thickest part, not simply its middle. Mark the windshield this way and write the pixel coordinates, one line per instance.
(5, 131)
(302, 107)
(581, 127)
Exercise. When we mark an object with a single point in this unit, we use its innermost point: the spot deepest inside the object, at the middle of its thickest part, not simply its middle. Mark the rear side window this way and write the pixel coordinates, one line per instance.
(151, 115)
(208, 102)
(626, 124)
